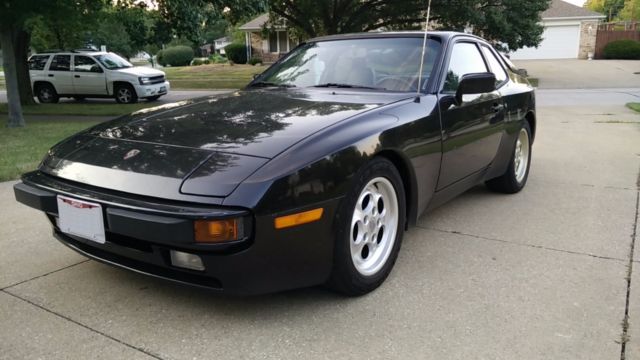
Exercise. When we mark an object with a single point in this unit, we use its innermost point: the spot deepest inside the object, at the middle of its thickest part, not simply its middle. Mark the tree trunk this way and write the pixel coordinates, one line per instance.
(11, 79)
(22, 42)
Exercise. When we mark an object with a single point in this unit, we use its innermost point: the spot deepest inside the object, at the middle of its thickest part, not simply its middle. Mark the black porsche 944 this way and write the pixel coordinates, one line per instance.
(309, 175)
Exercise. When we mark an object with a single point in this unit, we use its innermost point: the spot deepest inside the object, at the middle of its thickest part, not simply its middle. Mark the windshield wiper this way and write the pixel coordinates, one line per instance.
(347, 86)
(270, 84)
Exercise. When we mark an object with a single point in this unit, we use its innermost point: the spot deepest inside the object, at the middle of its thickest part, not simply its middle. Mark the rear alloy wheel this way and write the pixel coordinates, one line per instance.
(517, 174)
(125, 94)
(369, 227)
(47, 94)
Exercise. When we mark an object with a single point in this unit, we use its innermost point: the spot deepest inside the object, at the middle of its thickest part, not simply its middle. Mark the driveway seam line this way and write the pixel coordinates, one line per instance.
(84, 326)
(625, 321)
(523, 245)
(43, 275)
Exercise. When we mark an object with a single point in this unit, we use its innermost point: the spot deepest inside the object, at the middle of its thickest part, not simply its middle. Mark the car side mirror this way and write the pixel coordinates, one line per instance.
(477, 83)
(255, 76)
(96, 69)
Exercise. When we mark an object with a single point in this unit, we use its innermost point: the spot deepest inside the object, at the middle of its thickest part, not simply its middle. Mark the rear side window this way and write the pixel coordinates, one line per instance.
(465, 59)
(61, 63)
(496, 67)
(38, 62)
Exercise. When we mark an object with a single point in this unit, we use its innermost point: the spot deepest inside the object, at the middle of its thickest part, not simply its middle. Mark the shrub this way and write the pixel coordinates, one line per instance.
(197, 62)
(237, 53)
(218, 59)
(177, 55)
(622, 49)
(160, 58)
(207, 61)
(255, 61)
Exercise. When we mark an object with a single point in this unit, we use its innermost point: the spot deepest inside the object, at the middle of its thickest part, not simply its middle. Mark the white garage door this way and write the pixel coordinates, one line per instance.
(559, 42)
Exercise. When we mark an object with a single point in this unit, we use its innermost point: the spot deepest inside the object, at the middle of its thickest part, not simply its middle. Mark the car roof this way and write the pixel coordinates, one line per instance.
(445, 35)
(75, 52)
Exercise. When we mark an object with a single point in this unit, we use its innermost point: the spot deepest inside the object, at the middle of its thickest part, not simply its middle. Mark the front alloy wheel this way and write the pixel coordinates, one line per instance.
(126, 95)
(373, 226)
(369, 228)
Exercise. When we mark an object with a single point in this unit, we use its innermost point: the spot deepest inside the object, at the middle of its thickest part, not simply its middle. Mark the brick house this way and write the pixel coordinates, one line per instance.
(267, 45)
(569, 33)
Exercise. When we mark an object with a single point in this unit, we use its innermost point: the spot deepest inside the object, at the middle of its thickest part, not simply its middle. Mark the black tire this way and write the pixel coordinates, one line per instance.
(47, 94)
(345, 277)
(125, 94)
(509, 183)
(153, 98)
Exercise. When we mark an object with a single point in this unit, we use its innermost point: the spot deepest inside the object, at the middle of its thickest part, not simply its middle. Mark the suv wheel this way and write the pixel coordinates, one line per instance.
(47, 94)
(125, 94)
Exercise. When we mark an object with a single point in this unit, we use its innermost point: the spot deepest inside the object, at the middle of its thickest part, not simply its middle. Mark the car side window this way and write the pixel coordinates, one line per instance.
(38, 62)
(85, 64)
(465, 59)
(60, 63)
(494, 63)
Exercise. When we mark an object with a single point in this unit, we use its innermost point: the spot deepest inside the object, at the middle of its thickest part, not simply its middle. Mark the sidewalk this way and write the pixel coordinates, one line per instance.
(583, 74)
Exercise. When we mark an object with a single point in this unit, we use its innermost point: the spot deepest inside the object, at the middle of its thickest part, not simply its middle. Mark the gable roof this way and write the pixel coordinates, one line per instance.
(560, 9)
(256, 24)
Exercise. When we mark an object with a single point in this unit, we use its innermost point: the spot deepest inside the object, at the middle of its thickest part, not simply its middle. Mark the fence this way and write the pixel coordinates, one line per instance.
(609, 32)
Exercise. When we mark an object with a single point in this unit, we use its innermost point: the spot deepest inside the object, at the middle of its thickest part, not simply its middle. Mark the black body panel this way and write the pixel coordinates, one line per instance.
(261, 153)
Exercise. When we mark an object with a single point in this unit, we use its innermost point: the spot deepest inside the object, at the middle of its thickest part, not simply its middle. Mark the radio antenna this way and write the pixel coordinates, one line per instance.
(424, 50)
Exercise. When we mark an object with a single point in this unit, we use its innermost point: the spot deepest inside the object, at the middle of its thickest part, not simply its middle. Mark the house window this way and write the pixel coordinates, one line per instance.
(278, 42)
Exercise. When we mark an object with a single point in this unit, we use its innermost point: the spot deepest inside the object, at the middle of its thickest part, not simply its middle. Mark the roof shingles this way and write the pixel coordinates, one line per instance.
(563, 9)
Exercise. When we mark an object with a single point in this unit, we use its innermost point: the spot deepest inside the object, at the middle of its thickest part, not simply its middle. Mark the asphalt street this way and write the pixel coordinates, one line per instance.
(550, 273)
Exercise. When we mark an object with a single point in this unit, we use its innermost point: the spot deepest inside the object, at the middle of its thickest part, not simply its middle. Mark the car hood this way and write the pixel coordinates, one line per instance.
(140, 71)
(254, 123)
(203, 147)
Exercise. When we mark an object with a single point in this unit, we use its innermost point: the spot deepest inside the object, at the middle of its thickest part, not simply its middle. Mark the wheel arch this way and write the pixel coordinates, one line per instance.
(531, 119)
(38, 83)
(403, 165)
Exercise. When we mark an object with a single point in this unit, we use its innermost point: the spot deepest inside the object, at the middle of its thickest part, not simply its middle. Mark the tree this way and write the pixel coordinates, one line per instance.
(13, 16)
(512, 22)
(611, 8)
(16, 19)
(630, 11)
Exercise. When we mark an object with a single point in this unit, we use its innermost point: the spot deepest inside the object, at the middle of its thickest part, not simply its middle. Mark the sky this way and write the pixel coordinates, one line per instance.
(576, 2)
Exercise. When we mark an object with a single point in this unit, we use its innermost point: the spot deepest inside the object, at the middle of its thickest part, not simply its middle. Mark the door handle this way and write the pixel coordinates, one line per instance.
(50, 75)
(76, 76)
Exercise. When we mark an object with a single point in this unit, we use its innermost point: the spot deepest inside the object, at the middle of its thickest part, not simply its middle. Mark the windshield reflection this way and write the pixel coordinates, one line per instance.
(112, 61)
(389, 64)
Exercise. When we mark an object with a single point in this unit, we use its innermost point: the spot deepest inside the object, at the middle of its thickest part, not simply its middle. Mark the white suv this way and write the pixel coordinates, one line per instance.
(92, 74)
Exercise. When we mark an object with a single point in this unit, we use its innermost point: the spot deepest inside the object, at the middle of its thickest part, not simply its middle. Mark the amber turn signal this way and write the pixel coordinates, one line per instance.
(217, 231)
(298, 219)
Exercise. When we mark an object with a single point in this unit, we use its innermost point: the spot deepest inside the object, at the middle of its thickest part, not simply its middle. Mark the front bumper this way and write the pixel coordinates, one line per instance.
(145, 91)
(140, 234)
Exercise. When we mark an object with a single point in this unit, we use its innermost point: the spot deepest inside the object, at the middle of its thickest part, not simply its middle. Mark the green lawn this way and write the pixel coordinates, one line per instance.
(84, 109)
(22, 149)
(215, 76)
(634, 106)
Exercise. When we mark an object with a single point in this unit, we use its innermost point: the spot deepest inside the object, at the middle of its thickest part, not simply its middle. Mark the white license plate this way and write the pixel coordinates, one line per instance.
(81, 218)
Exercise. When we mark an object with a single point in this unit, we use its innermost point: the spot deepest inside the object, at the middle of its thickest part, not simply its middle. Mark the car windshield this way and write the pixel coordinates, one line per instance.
(390, 64)
(112, 61)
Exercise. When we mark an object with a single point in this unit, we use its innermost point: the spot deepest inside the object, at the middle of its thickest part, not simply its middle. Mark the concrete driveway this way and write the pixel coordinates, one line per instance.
(545, 274)
(583, 74)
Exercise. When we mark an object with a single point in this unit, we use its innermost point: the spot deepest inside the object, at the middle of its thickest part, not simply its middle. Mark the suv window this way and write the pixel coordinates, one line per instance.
(61, 63)
(465, 59)
(85, 64)
(38, 62)
(494, 63)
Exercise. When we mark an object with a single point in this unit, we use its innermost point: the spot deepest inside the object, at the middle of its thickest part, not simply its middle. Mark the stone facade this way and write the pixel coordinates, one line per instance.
(588, 35)
(257, 49)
